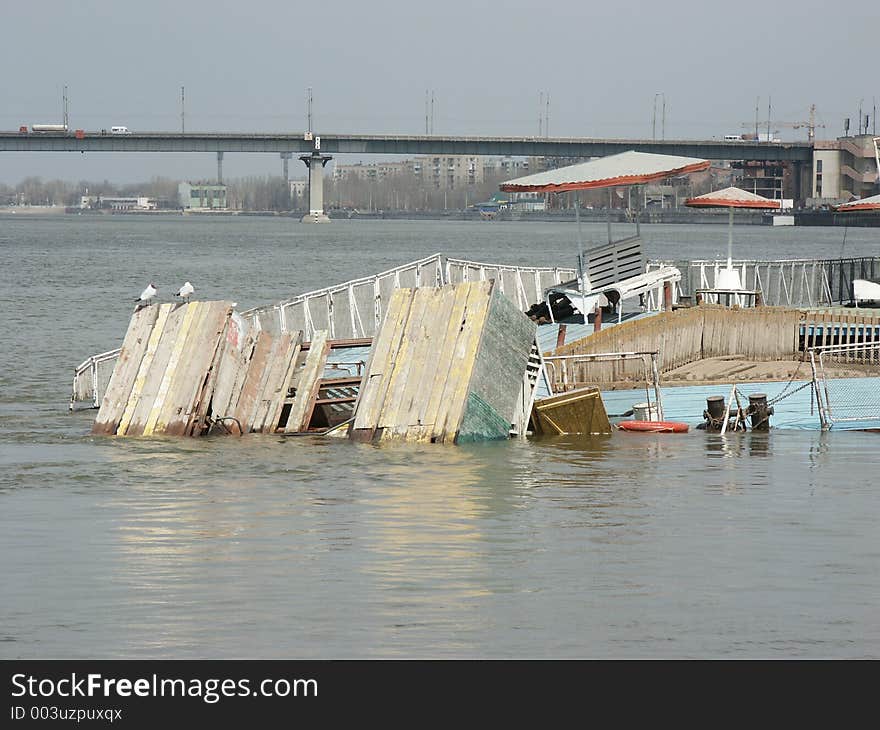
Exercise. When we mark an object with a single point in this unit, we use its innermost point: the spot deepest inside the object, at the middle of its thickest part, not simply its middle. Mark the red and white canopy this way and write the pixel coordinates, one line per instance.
(872, 203)
(626, 168)
(732, 198)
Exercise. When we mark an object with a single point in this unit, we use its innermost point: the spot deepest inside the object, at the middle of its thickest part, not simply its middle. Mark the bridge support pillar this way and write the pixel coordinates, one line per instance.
(285, 171)
(219, 168)
(315, 162)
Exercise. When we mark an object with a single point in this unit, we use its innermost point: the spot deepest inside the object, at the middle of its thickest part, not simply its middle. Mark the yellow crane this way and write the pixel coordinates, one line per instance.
(810, 124)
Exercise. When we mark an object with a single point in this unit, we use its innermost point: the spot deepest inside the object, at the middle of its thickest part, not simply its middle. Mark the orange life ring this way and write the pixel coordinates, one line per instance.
(654, 426)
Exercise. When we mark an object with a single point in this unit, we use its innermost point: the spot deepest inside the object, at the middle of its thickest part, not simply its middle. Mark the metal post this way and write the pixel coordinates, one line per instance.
(560, 336)
(609, 214)
(730, 238)
(655, 371)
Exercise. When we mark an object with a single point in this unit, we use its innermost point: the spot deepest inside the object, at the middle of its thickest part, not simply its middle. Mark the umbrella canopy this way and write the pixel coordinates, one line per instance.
(732, 198)
(872, 203)
(626, 168)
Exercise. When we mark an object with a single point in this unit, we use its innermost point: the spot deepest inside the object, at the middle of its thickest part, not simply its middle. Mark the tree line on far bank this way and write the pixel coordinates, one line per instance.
(273, 193)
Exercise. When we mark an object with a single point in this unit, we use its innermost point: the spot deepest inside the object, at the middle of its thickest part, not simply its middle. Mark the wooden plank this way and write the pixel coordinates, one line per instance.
(272, 373)
(190, 310)
(466, 346)
(309, 384)
(422, 361)
(238, 352)
(253, 377)
(156, 374)
(144, 370)
(450, 315)
(405, 363)
(199, 424)
(134, 345)
(201, 350)
(180, 384)
(274, 391)
(380, 366)
(291, 356)
(428, 358)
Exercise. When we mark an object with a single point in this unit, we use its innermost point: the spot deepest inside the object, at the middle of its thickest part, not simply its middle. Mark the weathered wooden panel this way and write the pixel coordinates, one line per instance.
(144, 370)
(253, 381)
(125, 371)
(407, 368)
(287, 363)
(238, 348)
(496, 382)
(201, 349)
(465, 349)
(382, 355)
(308, 383)
(420, 380)
(156, 373)
(448, 322)
(190, 312)
(575, 412)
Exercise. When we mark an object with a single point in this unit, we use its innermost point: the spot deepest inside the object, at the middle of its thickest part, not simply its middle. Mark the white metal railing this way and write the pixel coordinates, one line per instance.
(569, 372)
(787, 282)
(523, 285)
(90, 378)
(846, 400)
(353, 309)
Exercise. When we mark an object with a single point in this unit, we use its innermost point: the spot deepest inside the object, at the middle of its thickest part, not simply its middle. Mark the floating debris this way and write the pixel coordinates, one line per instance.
(574, 412)
(450, 364)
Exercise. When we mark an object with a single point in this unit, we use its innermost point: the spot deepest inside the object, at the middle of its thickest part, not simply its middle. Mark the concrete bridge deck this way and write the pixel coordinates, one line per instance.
(377, 144)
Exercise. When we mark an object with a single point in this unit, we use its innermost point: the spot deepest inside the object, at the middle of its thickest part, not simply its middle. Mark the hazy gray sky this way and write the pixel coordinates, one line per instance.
(246, 66)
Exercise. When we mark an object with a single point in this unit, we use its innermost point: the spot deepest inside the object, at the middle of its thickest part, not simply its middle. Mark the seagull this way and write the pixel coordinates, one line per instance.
(185, 291)
(146, 295)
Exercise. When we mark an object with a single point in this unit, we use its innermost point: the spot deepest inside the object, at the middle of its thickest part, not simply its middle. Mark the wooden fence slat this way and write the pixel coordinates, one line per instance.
(134, 345)
(309, 383)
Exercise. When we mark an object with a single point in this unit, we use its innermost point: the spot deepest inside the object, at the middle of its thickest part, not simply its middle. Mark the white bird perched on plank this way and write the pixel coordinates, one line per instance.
(185, 291)
(147, 294)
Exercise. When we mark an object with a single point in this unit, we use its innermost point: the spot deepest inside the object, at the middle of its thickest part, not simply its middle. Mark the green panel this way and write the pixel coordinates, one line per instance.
(502, 359)
(481, 422)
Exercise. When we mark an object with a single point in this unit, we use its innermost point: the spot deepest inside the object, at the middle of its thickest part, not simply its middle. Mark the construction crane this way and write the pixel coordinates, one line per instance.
(810, 124)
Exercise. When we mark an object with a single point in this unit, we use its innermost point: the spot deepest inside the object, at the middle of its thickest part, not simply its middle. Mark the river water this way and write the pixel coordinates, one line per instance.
(633, 545)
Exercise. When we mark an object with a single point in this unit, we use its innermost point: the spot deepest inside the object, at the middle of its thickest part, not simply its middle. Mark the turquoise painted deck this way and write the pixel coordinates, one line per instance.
(346, 357)
(687, 403)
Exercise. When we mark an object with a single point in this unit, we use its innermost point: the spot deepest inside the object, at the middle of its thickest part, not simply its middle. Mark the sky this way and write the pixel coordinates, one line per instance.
(246, 66)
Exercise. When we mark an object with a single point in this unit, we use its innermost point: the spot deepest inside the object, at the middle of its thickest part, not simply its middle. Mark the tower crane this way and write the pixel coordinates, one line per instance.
(810, 124)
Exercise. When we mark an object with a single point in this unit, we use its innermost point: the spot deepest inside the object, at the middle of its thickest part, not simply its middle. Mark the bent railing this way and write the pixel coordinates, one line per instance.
(791, 283)
(90, 379)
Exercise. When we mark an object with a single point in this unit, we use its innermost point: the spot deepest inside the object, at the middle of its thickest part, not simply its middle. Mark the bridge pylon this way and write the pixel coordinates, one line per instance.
(316, 162)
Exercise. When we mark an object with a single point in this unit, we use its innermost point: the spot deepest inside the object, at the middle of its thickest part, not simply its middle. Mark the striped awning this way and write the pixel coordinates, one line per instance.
(626, 168)
(732, 198)
(872, 203)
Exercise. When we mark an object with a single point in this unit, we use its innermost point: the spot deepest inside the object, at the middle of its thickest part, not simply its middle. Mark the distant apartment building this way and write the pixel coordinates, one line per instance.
(439, 172)
(844, 168)
(108, 202)
(201, 196)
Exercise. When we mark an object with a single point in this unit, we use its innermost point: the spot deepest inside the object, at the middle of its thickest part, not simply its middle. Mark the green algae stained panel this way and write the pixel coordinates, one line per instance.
(496, 382)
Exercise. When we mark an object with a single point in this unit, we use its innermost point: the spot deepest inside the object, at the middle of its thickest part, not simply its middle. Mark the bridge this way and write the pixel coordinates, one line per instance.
(314, 149)
(386, 144)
